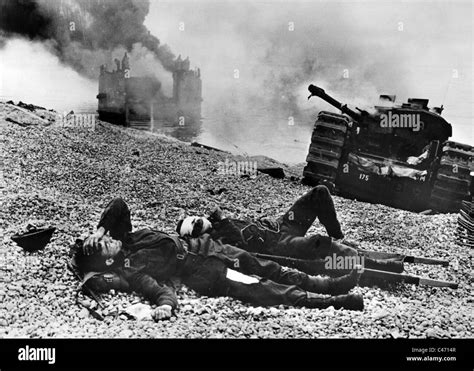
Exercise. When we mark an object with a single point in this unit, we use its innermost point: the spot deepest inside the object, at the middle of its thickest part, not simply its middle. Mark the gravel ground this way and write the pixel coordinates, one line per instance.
(64, 176)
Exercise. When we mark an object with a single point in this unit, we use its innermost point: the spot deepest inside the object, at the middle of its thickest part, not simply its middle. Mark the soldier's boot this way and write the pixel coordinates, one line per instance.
(350, 301)
(330, 285)
(384, 265)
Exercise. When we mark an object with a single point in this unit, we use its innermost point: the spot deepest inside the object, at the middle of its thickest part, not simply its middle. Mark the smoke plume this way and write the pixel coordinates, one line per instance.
(87, 33)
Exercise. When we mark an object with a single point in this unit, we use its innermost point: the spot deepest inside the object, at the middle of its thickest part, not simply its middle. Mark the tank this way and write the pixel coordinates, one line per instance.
(397, 155)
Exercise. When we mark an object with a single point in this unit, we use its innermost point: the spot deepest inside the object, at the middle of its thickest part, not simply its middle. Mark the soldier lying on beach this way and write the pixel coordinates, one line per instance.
(285, 236)
(146, 259)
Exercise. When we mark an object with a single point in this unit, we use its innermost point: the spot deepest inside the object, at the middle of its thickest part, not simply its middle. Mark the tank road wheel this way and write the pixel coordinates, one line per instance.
(327, 142)
(452, 181)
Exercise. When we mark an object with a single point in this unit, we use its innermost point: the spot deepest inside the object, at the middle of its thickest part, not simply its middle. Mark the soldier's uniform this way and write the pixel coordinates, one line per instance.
(213, 268)
(285, 236)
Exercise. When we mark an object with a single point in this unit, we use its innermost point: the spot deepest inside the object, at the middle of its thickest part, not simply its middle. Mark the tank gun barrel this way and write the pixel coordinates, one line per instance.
(319, 92)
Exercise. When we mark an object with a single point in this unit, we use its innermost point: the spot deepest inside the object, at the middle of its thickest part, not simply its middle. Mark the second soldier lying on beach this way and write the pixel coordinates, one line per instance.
(283, 236)
(145, 260)
(287, 234)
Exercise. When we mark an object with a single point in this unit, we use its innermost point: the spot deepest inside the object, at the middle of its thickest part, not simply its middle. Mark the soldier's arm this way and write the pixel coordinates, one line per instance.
(226, 231)
(157, 293)
(215, 214)
(115, 219)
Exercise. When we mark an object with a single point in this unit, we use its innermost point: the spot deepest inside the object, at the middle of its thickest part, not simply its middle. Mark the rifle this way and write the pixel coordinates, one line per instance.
(406, 278)
(379, 255)
(86, 288)
(318, 266)
(404, 258)
(315, 267)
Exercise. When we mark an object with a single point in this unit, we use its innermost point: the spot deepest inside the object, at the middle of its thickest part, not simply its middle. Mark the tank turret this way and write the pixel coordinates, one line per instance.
(412, 123)
(319, 92)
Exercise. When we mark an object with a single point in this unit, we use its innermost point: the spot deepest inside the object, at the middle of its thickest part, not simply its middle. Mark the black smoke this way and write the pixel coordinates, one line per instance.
(83, 33)
(25, 18)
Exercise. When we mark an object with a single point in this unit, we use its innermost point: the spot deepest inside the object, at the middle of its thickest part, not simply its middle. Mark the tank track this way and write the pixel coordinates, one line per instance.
(452, 182)
(327, 142)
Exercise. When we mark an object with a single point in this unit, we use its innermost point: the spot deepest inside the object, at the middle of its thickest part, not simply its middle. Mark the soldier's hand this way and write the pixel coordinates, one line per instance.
(162, 312)
(215, 214)
(91, 244)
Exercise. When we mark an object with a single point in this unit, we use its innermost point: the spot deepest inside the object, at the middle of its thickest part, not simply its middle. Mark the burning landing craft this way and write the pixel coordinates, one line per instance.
(139, 101)
(398, 156)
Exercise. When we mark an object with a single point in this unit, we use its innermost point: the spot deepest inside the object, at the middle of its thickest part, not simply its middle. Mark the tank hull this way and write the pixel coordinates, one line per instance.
(340, 157)
(401, 193)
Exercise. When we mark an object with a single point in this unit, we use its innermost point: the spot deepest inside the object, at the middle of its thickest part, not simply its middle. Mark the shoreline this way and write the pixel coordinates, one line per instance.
(228, 146)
